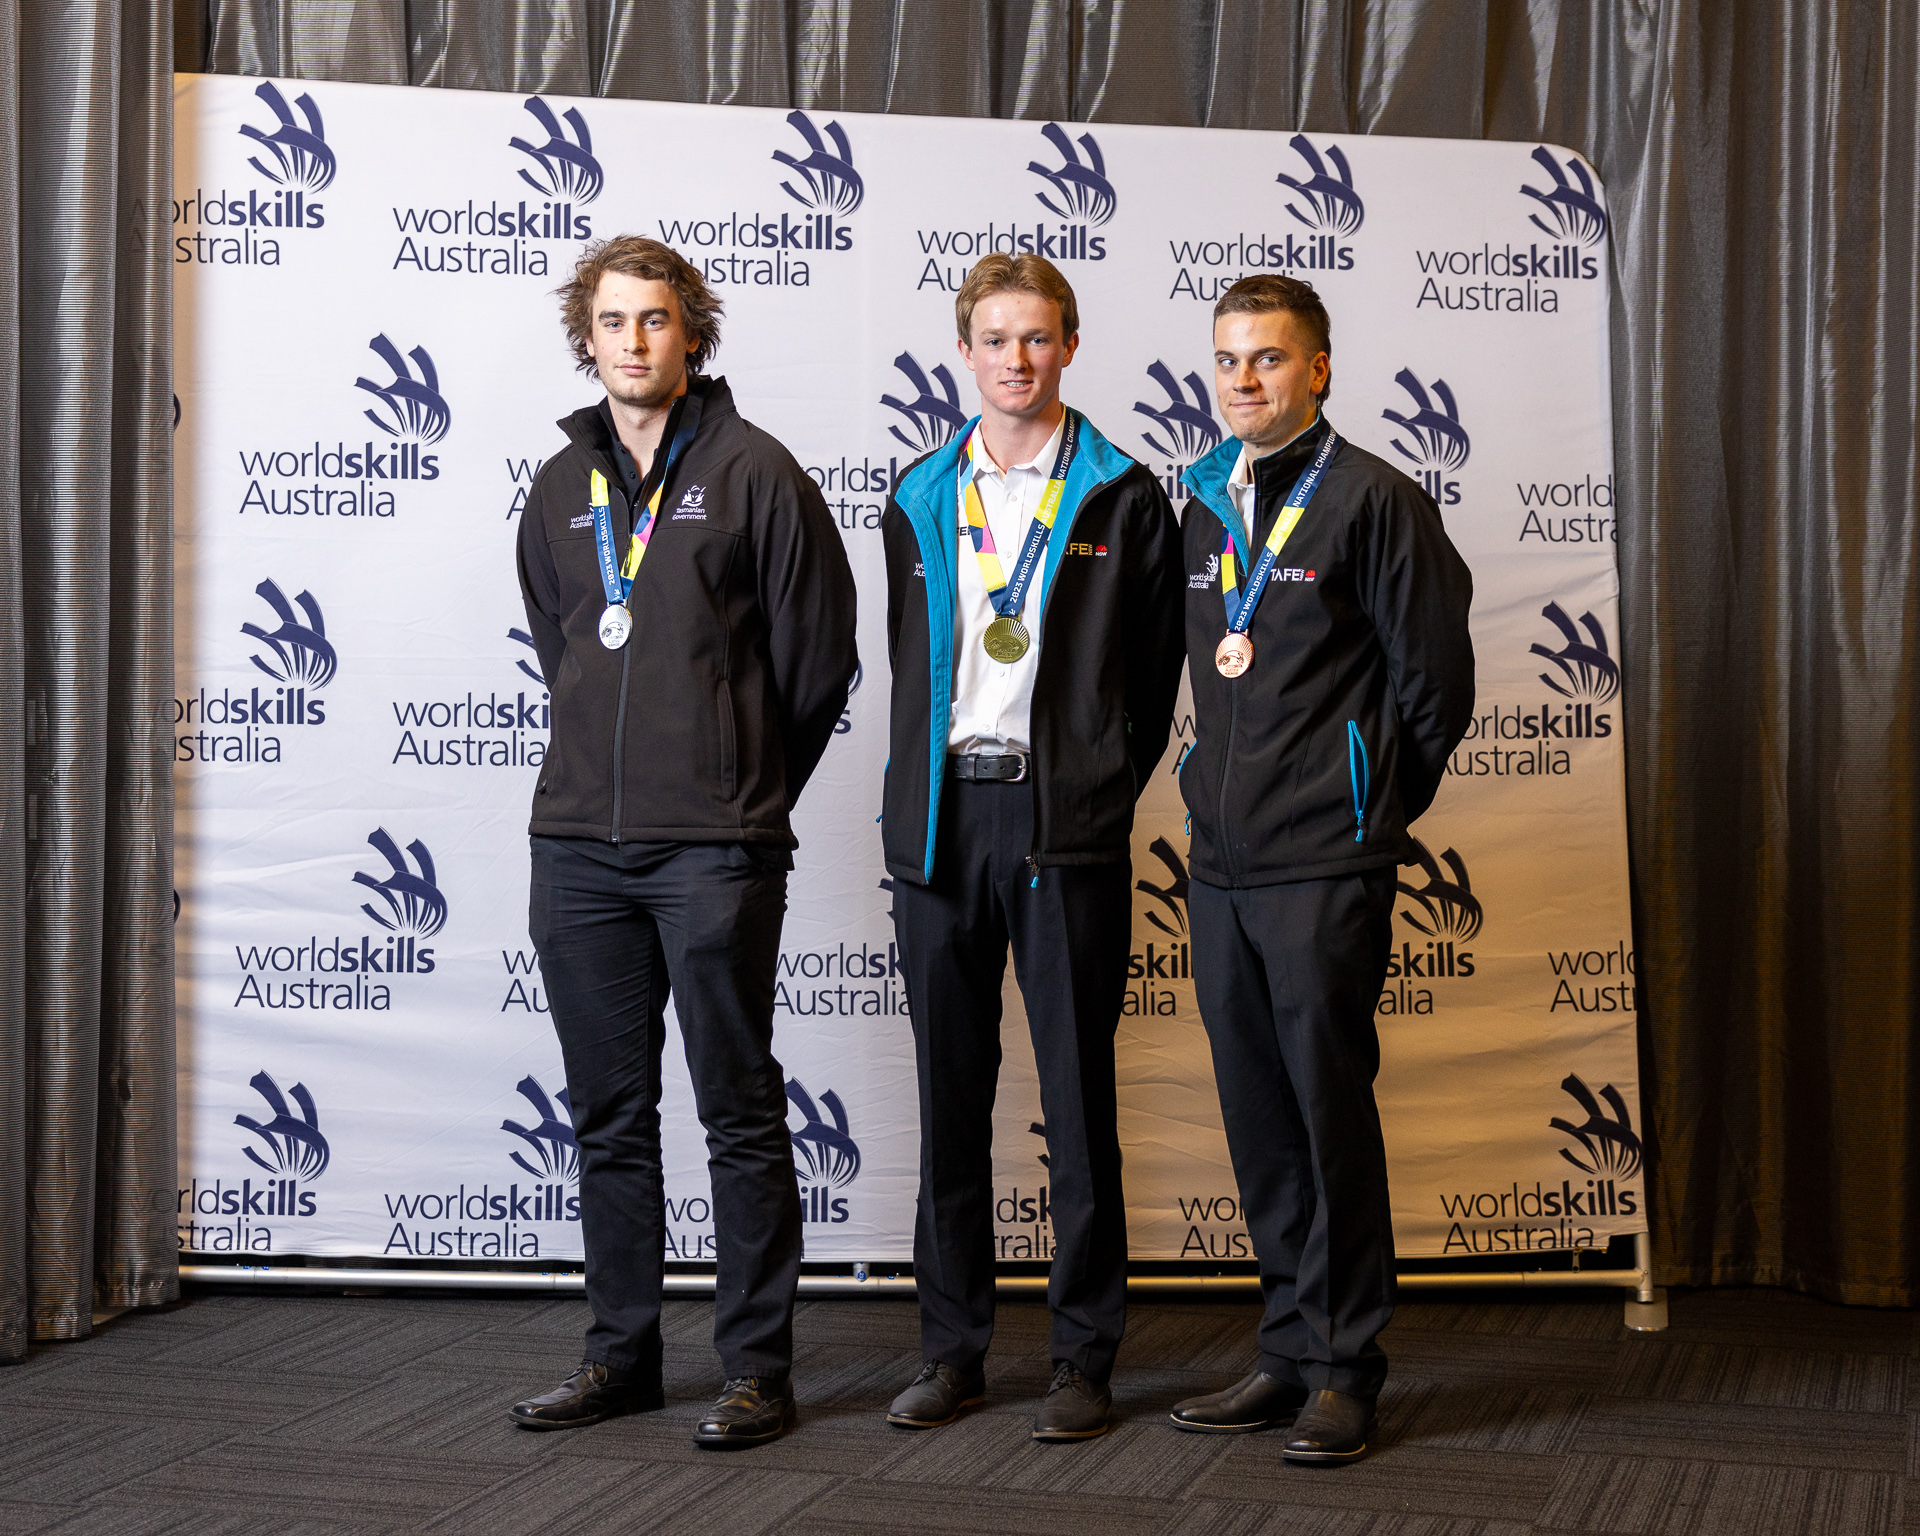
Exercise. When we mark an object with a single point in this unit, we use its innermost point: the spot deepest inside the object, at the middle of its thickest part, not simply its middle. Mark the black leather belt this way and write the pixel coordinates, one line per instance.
(988, 767)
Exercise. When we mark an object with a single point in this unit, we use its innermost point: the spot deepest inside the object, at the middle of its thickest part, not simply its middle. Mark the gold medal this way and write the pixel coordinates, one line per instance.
(1006, 639)
(1233, 655)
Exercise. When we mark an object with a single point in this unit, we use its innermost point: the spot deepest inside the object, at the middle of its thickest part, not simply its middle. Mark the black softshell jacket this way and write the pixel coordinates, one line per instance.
(706, 726)
(1109, 668)
(1314, 762)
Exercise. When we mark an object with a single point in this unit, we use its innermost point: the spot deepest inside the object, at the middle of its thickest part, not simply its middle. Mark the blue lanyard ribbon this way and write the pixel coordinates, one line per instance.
(618, 584)
(1241, 605)
(1009, 598)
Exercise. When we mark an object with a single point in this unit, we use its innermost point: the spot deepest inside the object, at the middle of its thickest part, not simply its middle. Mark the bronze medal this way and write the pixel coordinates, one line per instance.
(1233, 655)
(1006, 639)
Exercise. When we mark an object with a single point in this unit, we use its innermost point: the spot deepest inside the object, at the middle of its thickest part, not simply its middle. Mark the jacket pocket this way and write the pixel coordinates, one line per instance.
(1361, 777)
(724, 697)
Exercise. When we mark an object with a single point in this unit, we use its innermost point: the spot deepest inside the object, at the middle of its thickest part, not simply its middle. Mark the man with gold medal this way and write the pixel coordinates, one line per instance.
(1033, 624)
(1332, 674)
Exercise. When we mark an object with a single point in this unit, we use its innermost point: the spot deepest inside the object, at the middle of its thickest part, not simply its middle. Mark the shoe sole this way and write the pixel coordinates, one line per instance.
(594, 1418)
(1322, 1458)
(742, 1442)
(1254, 1428)
(1071, 1434)
(906, 1423)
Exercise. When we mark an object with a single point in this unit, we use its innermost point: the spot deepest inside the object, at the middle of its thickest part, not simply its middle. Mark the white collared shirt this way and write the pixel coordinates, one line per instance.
(1240, 483)
(993, 700)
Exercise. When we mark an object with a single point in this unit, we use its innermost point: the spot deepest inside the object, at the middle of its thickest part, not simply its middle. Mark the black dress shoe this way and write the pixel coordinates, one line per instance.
(750, 1410)
(937, 1395)
(585, 1397)
(1255, 1402)
(1332, 1428)
(1076, 1407)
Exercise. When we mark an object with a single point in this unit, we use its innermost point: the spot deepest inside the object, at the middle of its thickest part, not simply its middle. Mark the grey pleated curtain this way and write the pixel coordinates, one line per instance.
(1762, 162)
(86, 666)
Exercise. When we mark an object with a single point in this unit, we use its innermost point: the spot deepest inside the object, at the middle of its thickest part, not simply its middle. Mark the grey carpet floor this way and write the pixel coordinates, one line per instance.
(1755, 1412)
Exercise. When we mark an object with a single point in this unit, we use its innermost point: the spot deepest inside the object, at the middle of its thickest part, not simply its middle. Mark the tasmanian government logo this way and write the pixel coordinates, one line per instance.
(358, 481)
(1183, 427)
(289, 1152)
(1078, 194)
(552, 159)
(826, 1158)
(828, 181)
(1443, 910)
(245, 726)
(933, 415)
(1430, 436)
(244, 229)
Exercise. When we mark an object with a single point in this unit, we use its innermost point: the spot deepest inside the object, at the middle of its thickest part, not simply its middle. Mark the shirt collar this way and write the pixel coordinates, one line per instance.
(1040, 463)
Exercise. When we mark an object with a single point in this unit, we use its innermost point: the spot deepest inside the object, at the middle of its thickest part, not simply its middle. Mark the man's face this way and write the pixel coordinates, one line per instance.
(638, 340)
(1017, 352)
(1266, 374)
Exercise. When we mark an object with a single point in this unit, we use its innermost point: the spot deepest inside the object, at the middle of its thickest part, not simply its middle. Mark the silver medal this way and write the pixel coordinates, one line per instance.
(616, 624)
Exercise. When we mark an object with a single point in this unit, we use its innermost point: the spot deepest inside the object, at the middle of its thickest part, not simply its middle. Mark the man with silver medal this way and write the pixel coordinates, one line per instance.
(1332, 674)
(1033, 623)
(693, 609)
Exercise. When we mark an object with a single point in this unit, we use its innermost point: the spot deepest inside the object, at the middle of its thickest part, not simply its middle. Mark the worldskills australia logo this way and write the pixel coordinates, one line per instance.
(243, 726)
(828, 183)
(1164, 959)
(296, 153)
(1443, 910)
(1606, 1144)
(1430, 437)
(1325, 202)
(1081, 193)
(410, 904)
(412, 410)
(245, 227)
(547, 1148)
(531, 666)
(288, 1152)
(1184, 427)
(933, 415)
(1581, 674)
(563, 170)
(826, 1158)
(1570, 211)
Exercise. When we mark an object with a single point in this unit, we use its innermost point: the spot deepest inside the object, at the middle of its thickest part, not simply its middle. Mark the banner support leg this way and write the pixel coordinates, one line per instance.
(1646, 1309)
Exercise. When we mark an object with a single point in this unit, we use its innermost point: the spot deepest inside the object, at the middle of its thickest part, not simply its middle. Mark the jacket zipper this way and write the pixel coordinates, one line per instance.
(1226, 769)
(1033, 759)
(620, 727)
(1361, 777)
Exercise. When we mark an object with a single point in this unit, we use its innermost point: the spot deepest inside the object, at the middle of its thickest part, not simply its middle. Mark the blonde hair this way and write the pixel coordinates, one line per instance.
(1025, 273)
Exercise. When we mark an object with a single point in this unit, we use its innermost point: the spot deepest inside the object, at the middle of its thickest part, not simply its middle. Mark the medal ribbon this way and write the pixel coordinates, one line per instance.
(617, 578)
(1008, 597)
(1240, 605)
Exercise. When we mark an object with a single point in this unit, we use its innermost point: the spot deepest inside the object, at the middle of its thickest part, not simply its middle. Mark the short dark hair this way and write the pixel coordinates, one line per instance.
(1025, 273)
(638, 256)
(1266, 292)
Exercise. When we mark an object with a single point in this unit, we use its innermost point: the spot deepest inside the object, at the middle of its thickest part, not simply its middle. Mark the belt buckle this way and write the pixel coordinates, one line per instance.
(1020, 777)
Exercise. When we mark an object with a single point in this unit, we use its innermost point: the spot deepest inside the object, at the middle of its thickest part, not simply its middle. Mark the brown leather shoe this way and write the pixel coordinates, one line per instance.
(1076, 1407)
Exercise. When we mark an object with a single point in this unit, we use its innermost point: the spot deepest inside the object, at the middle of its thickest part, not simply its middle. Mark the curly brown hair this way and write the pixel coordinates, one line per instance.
(638, 256)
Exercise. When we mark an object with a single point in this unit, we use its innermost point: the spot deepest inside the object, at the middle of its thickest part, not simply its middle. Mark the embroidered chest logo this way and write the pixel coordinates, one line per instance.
(693, 505)
(1087, 549)
(584, 520)
(1205, 579)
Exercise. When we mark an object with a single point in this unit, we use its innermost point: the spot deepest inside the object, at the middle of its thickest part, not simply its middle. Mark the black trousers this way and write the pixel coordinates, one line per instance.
(1287, 977)
(703, 919)
(1069, 933)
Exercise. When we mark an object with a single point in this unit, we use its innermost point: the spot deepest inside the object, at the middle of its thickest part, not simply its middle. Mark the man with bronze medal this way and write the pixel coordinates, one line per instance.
(1332, 674)
(1033, 623)
(691, 602)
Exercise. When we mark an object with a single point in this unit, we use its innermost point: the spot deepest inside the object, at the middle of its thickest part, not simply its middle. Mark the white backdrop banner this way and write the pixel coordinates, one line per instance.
(370, 364)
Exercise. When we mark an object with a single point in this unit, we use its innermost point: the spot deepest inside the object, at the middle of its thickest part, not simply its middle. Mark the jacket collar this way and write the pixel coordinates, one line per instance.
(591, 429)
(1208, 475)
